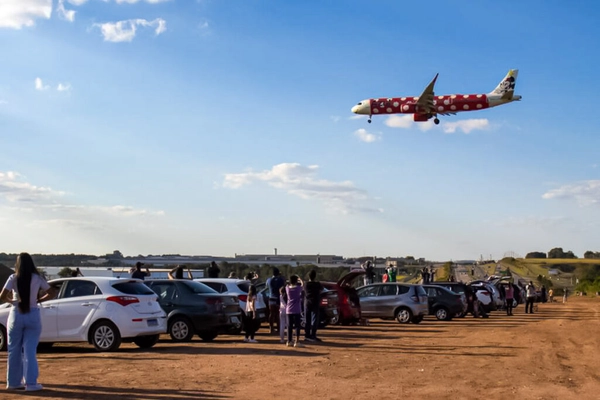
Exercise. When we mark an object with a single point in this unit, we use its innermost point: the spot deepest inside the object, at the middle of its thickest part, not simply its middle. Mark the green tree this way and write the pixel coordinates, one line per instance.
(65, 272)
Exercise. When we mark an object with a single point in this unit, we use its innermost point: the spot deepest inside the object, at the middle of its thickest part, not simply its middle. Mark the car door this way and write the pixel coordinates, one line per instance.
(386, 300)
(49, 315)
(368, 296)
(432, 294)
(167, 295)
(75, 309)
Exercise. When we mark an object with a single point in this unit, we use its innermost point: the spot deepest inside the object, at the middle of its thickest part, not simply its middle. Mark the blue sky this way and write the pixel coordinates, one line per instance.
(222, 127)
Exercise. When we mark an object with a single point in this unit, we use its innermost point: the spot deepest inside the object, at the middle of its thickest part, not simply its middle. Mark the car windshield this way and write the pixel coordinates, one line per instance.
(132, 287)
(197, 287)
(244, 286)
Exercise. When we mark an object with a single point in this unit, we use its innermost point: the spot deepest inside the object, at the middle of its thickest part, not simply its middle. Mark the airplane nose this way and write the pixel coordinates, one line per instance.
(355, 109)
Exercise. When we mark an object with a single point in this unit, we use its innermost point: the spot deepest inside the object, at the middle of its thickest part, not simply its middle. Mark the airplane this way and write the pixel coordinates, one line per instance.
(428, 105)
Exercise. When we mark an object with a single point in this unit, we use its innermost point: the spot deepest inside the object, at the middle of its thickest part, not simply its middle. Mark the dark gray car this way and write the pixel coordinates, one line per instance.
(403, 301)
(194, 308)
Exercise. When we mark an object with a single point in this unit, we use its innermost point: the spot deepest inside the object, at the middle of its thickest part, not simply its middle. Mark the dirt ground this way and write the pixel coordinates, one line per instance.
(553, 354)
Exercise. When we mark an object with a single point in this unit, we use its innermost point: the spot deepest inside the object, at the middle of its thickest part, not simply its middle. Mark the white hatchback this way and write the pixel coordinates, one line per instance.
(103, 311)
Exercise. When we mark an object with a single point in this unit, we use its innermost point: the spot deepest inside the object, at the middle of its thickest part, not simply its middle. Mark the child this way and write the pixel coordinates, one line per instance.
(293, 309)
(282, 313)
(251, 322)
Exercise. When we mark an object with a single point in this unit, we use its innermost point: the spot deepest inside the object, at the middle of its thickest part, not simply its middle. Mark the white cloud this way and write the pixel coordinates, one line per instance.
(466, 125)
(39, 85)
(124, 31)
(406, 122)
(365, 136)
(63, 87)
(16, 14)
(357, 117)
(585, 193)
(51, 203)
(335, 118)
(302, 181)
(63, 13)
(77, 2)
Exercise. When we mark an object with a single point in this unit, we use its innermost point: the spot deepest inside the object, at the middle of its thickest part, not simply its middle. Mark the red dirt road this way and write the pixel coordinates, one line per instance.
(553, 354)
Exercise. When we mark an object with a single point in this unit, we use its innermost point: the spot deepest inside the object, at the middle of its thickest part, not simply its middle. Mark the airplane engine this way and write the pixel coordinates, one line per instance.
(421, 117)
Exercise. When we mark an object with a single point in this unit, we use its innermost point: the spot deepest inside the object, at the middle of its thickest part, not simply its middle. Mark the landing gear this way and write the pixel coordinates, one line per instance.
(369, 120)
(436, 121)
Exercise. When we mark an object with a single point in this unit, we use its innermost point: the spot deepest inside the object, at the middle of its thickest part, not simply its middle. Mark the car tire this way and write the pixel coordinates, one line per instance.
(334, 320)
(442, 314)
(3, 338)
(105, 336)
(404, 315)
(145, 342)
(180, 329)
(417, 320)
(208, 336)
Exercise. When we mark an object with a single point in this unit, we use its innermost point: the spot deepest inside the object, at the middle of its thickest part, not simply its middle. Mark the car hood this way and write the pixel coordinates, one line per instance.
(350, 276)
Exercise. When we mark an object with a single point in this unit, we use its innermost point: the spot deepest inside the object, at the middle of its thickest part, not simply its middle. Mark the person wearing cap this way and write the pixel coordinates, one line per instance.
(138, 273)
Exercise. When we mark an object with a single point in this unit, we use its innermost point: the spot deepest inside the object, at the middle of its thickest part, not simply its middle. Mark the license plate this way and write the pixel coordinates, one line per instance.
(261, 315)
(335, 312)
(235, 320)
(152, 322)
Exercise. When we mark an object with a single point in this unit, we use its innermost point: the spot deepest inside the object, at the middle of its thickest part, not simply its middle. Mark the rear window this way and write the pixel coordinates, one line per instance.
(244, 286)
(133, 287)
(403, 289)
(420, 291)
(197, 287)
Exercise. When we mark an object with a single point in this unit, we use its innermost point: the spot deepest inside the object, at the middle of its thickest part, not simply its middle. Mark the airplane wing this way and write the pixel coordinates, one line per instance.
(425, 102)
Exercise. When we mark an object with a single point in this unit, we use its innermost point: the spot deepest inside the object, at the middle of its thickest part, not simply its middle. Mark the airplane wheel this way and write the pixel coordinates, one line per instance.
(369, 121)
(436, 121)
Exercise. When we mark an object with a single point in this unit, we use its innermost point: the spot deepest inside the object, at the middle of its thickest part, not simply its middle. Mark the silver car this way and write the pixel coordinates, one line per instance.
(402, 301)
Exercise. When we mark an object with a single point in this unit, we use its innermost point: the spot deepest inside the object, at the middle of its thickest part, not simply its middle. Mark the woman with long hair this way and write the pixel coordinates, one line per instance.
(24, 289)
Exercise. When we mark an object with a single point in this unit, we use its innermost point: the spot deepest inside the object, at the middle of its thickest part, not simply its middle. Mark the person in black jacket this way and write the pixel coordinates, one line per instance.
(213, 271)
(312, 290)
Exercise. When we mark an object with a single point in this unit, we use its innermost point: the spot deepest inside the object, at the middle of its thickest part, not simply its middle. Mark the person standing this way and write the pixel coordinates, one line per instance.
(431, 275)
(565, 294)
(251, 318)
(551, 295)
(510, 295)
(177, 273)
(24, 289)
(369, 272)
(213, 271)
(282, 314)
(138, 273)
(274, 284)
(544, 298)
(392, 273)
(530, 290)
(312, 289)
(293, 309)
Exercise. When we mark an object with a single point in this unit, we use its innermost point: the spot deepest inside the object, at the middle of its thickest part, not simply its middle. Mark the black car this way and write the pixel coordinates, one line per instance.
(460, 288)
(194, 308)
(443, 303)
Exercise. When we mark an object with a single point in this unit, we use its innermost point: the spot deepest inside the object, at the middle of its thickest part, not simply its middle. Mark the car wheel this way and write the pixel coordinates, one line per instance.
(3, 338)
(208, 336)
(334, 320)
(145, 342)
(181, 330)
(403, 315)
(417, 320)
(442, 314)
(105, 336)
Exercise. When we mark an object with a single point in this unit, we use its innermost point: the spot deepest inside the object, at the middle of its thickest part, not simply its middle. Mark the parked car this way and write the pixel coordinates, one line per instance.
(348, 301)
(195, 308)
(518, 298)
(460, 288)
(102, 311)
(402, 301)
(488, 295)
(443, 303)
(239, 288)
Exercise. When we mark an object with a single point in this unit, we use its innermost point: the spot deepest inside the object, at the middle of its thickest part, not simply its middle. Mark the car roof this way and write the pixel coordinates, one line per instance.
(221, 280)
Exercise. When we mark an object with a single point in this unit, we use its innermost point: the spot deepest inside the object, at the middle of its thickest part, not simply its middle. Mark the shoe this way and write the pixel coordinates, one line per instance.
(282, 341)
(22, 387)
(33, 388)
(288, 344)
(252, 341)
(246, 340)
(316, 339)
(309, 339)
(298, 344)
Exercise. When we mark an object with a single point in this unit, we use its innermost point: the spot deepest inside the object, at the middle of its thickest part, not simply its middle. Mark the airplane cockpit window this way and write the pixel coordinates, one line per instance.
(359, 104)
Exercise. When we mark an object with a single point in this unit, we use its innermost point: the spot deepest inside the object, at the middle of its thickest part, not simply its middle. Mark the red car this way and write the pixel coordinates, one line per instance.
(348, 301)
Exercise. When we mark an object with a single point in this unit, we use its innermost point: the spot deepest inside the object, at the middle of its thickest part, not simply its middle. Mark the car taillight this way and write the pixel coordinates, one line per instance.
(243, 297)
(124, 300)
(415, 298)
(213, 301)
(323, 302)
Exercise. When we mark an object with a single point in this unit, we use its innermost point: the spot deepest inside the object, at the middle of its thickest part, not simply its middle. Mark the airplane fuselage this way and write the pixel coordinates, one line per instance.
(451, 103)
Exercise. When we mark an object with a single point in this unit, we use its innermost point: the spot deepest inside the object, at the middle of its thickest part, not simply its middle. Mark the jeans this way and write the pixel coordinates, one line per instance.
(24, 332)
(293, 324)
(311, 314)
(282, 324)
(529, 305)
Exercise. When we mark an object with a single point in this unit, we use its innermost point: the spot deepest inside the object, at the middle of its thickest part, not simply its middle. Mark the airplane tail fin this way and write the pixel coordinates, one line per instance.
(506, 88)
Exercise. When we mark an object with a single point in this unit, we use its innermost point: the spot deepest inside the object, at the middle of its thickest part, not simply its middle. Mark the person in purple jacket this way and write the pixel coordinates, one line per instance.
(295, 295)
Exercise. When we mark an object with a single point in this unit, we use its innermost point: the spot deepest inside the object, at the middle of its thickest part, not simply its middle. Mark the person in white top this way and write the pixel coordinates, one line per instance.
(282, 314)
(24, 289)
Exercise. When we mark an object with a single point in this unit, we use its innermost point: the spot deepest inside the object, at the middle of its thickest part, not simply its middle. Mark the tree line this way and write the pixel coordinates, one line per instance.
(558, 252)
